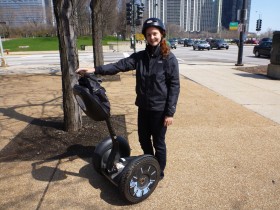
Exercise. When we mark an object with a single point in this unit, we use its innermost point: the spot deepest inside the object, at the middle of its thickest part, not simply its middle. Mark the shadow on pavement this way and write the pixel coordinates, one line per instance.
(255, 76)
(43, 172)
(45, 138)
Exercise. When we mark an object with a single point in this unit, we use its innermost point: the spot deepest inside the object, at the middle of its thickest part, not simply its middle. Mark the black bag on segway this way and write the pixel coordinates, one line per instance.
(101, 106)
(91, 82)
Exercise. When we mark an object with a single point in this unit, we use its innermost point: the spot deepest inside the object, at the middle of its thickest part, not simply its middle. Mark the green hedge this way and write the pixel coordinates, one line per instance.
(46, 43)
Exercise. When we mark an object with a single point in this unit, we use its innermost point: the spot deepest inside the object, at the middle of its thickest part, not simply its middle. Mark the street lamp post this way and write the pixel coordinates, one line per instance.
(155, 8)
(3, 61)
(243, 19)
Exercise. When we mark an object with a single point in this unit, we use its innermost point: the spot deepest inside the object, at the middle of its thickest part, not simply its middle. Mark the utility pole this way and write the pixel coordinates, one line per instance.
(155, 8)
(133, 26)
(243, 20)
(134, 14)
(3, 61)
(130, 18)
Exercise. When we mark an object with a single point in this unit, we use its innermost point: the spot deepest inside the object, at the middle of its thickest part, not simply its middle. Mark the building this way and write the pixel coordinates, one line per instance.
(190, 15)
(20, 13)
(196, 15)
(230, 12)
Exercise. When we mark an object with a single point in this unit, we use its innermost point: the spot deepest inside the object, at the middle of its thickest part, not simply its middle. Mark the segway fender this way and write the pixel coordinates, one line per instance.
(103, 149)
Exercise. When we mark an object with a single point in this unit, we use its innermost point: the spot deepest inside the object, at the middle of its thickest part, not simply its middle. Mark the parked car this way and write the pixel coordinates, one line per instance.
(263, 49)
(181, 41)
(266, 39)
(251, 41)
(172, 44)
(188, 42)
(173, 40)
(201, 45)
(218, 44)
(235, 41)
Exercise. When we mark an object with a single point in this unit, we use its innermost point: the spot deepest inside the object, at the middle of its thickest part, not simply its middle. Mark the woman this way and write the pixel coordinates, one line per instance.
(157, 88)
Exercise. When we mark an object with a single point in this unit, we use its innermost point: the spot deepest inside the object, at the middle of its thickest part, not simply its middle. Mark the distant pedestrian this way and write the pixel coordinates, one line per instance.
(157, 87)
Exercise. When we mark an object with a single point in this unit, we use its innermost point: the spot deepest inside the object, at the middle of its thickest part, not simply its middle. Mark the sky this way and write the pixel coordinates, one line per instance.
(269, 11)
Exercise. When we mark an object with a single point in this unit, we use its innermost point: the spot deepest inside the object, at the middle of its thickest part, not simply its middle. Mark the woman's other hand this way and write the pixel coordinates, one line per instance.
(168, 121)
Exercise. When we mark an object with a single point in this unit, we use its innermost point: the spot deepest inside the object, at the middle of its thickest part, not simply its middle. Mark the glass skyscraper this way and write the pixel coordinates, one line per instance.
(190, 15)
(196, 15)
(19, 13)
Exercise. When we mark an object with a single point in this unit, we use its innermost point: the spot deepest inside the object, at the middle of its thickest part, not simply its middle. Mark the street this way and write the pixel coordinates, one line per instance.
(184, 54)
(188, 55)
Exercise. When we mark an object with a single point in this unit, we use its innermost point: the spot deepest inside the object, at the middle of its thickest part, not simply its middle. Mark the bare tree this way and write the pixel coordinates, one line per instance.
(96, 7)
(4, 29)
(268, 33)
(122, 27)
(84, 17)
(110, 12)
(65, 13)
(174, 31)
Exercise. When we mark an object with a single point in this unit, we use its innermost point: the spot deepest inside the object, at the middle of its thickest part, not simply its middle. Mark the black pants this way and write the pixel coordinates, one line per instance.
(151, 132)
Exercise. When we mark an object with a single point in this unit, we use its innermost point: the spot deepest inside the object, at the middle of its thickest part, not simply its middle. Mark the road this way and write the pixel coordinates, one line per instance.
(184, 55)
(188, 55)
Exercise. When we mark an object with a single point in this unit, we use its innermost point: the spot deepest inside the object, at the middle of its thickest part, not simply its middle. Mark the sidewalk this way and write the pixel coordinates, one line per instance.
(255, 92)
(221, 155)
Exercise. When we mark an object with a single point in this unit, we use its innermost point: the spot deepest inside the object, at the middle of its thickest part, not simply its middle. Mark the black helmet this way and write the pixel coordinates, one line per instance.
(155, 22)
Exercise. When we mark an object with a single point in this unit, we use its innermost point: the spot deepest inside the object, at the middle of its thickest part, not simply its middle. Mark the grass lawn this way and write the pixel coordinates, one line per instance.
(46, 43)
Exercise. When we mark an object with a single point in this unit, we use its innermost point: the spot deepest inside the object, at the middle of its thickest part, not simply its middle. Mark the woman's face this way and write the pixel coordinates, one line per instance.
(153, 36)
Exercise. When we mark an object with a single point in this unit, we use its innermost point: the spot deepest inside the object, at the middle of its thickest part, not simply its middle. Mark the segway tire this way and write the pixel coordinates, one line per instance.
(139, 178)
(103, 149)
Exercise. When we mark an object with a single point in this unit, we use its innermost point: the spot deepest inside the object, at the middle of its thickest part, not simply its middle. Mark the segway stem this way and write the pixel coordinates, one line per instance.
(111, 168)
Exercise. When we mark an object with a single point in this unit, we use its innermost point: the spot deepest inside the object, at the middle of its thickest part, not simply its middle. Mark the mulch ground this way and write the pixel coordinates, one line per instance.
(46, 139)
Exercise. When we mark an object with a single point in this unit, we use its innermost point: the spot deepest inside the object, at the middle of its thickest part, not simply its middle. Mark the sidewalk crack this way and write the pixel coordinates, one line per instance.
(48, 185)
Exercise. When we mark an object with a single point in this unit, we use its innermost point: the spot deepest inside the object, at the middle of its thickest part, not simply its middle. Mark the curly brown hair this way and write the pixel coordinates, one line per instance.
(165, 49)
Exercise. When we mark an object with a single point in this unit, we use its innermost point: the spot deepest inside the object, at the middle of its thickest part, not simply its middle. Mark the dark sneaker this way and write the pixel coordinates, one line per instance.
(161, 175)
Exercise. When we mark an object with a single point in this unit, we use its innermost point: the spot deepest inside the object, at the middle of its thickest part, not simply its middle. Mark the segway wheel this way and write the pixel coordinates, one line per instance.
(140, 178)
(103, 149)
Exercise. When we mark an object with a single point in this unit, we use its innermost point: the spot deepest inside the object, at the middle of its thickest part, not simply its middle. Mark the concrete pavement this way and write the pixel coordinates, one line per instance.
(255, 92)
(223, 149)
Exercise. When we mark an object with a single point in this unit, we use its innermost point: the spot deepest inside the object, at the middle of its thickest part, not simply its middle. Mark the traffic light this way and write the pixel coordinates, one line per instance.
(139, 14)
(129, 13)
(259, 25)
(140, 10)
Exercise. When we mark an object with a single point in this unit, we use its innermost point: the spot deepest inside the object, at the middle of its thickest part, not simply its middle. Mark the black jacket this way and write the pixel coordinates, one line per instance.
(157, 79)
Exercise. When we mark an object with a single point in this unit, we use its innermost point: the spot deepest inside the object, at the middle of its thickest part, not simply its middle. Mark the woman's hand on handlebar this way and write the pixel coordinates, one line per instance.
(82, 71)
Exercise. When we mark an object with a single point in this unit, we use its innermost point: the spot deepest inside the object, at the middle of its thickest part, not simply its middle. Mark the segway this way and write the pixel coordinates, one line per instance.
(135, 176)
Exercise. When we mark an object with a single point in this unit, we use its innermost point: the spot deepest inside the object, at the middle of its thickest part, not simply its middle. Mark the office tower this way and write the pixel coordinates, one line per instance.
(190, 15)
(19, 12)
(197, 15)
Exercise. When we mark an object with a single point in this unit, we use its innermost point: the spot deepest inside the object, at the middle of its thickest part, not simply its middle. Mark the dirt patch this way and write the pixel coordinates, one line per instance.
(44, 137)
(254, 70)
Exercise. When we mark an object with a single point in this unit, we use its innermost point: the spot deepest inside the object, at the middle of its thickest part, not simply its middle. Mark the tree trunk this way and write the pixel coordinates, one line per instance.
(96, 17)
(66, 20)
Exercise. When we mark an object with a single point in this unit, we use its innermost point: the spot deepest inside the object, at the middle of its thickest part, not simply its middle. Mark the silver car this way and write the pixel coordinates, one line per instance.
(201, 45)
